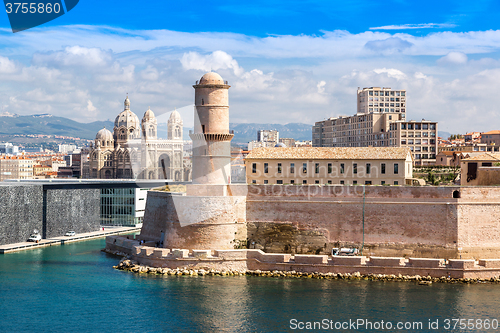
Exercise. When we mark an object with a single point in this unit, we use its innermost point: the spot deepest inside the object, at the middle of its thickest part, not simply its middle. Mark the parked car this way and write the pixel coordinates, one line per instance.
(345, 251)
(70, 233)
(35, 238)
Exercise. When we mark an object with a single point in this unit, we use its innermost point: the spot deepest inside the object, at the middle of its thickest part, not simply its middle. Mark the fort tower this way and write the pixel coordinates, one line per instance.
(211, 136)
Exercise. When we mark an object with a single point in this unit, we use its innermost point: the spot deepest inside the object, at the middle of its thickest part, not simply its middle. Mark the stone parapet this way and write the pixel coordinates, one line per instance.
(259, 260)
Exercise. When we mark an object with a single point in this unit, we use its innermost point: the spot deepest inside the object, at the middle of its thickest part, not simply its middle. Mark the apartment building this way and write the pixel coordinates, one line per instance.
(377, 126)
(491, 137)
(15, 167)
(336, 166)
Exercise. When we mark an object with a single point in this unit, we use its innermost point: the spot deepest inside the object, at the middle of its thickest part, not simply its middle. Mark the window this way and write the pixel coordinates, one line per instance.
(254, 167)
(279, 167)
(396, 168)
(265, 181)
(382, 182)
(396, 182)
(292, 181)
(368, 182)
(329, 167)
(329, 182)
(342, 168)
(292, 167)
(355, 168)
(254, 181)
(316, 168)
(355, 182)
(368, 168)
(316, 182)
(341, 182)
(266, 167)
(304, 167)
(279, 182)
(304, 181)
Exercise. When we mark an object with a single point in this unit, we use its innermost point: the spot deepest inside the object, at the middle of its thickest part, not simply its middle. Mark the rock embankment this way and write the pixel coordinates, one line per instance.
(133, 266)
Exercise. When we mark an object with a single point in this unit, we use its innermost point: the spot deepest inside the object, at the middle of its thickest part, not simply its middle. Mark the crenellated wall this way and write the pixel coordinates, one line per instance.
(433, 222)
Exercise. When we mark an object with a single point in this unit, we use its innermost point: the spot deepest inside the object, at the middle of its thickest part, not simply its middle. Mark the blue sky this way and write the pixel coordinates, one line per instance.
(287, 61)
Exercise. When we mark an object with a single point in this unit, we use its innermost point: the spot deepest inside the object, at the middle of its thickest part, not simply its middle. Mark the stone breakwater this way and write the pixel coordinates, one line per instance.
(256, 260)
(133, 266)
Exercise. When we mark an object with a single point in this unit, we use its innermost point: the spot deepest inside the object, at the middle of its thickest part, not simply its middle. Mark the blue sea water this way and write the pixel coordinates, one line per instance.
(73, 288)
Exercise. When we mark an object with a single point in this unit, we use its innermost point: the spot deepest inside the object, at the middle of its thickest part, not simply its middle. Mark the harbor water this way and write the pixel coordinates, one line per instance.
(74, 288)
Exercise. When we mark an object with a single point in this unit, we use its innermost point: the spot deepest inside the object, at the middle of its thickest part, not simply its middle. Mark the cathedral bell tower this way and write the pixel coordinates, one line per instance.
(211, 136)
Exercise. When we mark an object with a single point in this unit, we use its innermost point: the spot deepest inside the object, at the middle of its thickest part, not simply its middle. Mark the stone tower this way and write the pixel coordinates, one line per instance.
(211, 136)
(174, 126)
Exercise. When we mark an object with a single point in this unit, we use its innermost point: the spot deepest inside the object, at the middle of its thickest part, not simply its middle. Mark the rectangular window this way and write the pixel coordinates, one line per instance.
(396, 168)
(279, 182)
(292, 181)
(279, 167)
(292, 167)
(266, 167)
(330, 182)
(396, 182)
(304, 181)
(355, 168)
(329, 167)
(368, 182)
(354, 182)
(254, 181)
(316, 168)
(304, 167)
(265, 181)
(382, 182)
(342, 169)
(254, 167)
(341, 182)
(316, 182)
(368, 168)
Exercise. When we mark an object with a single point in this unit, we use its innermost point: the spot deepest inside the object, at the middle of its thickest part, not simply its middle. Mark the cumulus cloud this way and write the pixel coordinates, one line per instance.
(453, 58)
(214, 61)
(287, 78)
(391, 72)
(392, 44)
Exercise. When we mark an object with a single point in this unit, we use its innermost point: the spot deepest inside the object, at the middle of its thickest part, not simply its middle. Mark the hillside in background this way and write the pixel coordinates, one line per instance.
(244, 133)
(50, 125)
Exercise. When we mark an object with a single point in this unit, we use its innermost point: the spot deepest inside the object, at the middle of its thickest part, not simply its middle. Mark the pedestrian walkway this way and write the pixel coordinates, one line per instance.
(103, 232)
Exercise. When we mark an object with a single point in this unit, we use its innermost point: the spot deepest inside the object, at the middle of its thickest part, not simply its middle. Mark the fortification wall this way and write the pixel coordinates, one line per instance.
(409, 221)
(243, 260)
(195, 221)
(439, 222)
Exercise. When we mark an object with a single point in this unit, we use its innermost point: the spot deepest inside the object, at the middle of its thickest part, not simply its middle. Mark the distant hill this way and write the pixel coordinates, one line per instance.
(244, 133)
(444, 135)
(50, 125)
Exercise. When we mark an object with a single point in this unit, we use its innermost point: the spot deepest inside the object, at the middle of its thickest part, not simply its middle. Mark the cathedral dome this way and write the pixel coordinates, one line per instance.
(211, 78)
(175, 117)
(127, 118)
(104, 135)
(148, 115)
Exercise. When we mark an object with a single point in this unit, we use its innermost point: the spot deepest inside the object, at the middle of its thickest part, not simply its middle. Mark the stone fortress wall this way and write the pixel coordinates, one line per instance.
(433, 222)
(257, 260)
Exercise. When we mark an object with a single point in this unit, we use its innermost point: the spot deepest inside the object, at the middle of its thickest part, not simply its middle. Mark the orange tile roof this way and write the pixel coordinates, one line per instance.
(323, 153)
(485, 157)
(492, 132)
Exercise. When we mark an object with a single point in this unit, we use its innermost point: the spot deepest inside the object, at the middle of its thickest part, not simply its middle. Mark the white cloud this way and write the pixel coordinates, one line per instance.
(415, 26)
(391, 72)
(214, 61)
(288, 78)
(454, 58)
